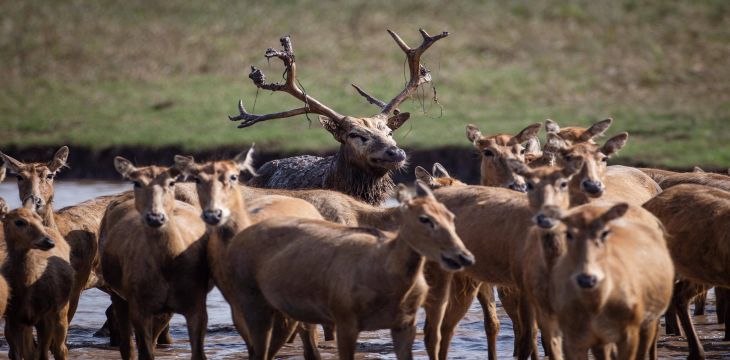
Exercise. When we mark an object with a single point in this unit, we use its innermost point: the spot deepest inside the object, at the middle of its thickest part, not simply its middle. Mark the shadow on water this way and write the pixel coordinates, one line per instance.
(223, 342)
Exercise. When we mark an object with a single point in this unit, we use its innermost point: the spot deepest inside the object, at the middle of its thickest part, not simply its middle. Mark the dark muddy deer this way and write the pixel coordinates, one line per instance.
(153, 258)
(373, 280)
(78, 224)
(226, 213)
(595, 291)
(368, 153)
(40, 276)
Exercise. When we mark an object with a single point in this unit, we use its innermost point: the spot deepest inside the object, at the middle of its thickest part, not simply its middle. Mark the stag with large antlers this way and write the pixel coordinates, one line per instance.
(368, 152)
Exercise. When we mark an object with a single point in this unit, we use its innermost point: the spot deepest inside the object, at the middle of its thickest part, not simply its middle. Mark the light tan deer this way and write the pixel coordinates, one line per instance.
(79, 224)
(226, 214)
(439, 179)
(696, 218)
(613, 284)
(153, 257)
(39, 273)
(370, 280)
(367, 154)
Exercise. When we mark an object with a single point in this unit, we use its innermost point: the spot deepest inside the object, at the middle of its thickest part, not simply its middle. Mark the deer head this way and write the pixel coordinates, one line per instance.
(154, 190)
(439, 179)
(496, 150)
(588, 234)
(547, 190)
(35, 180)
(367, 140)
(24, 231)
(217, 184)
(594, 159)
(428, 227)
(573, 134)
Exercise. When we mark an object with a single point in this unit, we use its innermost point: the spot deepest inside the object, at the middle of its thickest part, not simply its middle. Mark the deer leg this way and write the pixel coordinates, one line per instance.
(259, 319)
(329, 332)
(59, 328)
(574, 351)
(551, 340)
(602, 352)
(647, 339)
(683, 292)
(699, 303)
(403, 338)
(45, 336)
(164, 337)
(435, 307)
(197, 322)
(528, 334)
(629, 344)
(671, 322)
(347, 332)
(511, 305)
(143, 328)
(491, 321)
(282, 330)
(161, 325)
(308, 333)
(240, 323)
(461, 295)
(121, 315)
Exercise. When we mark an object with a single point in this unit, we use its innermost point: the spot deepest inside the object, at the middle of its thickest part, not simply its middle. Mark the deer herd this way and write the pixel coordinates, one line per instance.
(590, 256)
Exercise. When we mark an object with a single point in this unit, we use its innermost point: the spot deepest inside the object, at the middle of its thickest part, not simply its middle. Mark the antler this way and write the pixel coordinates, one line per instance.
(311, 105)
(418, 73)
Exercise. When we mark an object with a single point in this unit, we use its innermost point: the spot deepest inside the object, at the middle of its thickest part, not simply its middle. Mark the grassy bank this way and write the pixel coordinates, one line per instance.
(158, 73)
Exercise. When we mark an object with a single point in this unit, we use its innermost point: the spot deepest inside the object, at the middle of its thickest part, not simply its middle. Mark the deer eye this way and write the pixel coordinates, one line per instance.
(20, 178)
(50, 176)
(234, 178)
(390, 133)
(604, 235)
(20, 223)
(568, 235)
(426, 220)
(567, 157)
(197, 180)
(171, 183)
(563, 184)
(522, 151)
(605, 159)
(357, 136)
(137, 184)
(487, 152)
(530, 187)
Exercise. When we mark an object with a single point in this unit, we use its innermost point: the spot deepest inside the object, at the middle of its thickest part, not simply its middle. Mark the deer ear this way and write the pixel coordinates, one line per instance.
(396, 121)
(526, 134)
(13, 165)
(402, 194)
(59, 159)
(532, 147)
(697, 169)
(423, 175)
(551, 126)
(174, 172)
(244, 161)
(473, 133)
(186, 164)
(519, 168)
(335, 128)
(123, 166)
(554, 143)
(615, 212)
(422, 189)
(596, 129)
(614, 144)
(439, 171)
(3, 208)
(2, 171)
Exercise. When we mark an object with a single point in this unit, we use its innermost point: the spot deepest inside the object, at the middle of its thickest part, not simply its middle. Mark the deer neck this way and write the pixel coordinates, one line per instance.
(369, 184)
(402, 260)
(387, 219)
(48, 216)
(167, 240)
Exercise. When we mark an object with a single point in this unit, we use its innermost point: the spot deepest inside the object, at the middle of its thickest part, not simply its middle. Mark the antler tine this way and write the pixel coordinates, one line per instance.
(251, 119)
(311, 105)
(373, 100)
(419, 73)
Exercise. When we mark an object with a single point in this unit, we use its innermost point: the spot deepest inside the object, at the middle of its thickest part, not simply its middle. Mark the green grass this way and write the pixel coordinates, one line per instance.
(158, 73)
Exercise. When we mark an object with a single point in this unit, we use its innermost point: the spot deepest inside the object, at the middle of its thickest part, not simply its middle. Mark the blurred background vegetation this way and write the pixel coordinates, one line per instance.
(157, 73)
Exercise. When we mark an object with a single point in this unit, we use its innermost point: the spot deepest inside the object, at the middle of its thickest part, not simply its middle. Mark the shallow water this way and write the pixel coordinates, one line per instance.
(223, 342)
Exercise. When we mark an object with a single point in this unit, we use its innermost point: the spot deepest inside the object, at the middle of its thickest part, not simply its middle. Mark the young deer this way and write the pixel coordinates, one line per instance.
(40, 276)
(368, 152)
(696, 218)
(226, 214)
(79, 224)
(371, 280)
(604, 290)
(153, 258)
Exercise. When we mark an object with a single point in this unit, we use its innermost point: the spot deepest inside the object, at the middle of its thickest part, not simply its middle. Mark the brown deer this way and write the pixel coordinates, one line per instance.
(575, 135)
(695, 217)
(439, 179)
(371, 280)
(596, 291)
(39, 273)
(153, 258)
(368, 152)
(226, 214)
(78, 224)
(496, 149)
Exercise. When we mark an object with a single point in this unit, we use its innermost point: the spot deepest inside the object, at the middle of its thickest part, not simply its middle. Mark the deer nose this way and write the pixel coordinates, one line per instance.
(592, 187)
(466, 259)
(586, 281)
(155, 219)
(212, 217)
(33, 200)
(395, 153)
(544, 221)
(46, 243)
(517, 187)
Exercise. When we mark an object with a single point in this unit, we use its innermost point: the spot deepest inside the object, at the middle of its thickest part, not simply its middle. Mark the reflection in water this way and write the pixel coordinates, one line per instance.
(223, 342)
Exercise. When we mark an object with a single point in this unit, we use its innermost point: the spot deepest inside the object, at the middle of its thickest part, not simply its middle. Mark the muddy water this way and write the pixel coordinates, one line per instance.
(223, 342)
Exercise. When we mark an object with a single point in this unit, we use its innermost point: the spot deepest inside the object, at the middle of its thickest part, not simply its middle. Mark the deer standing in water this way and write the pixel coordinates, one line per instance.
(153, 258)
(367, 154)
(39, 273)
(226, 213)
